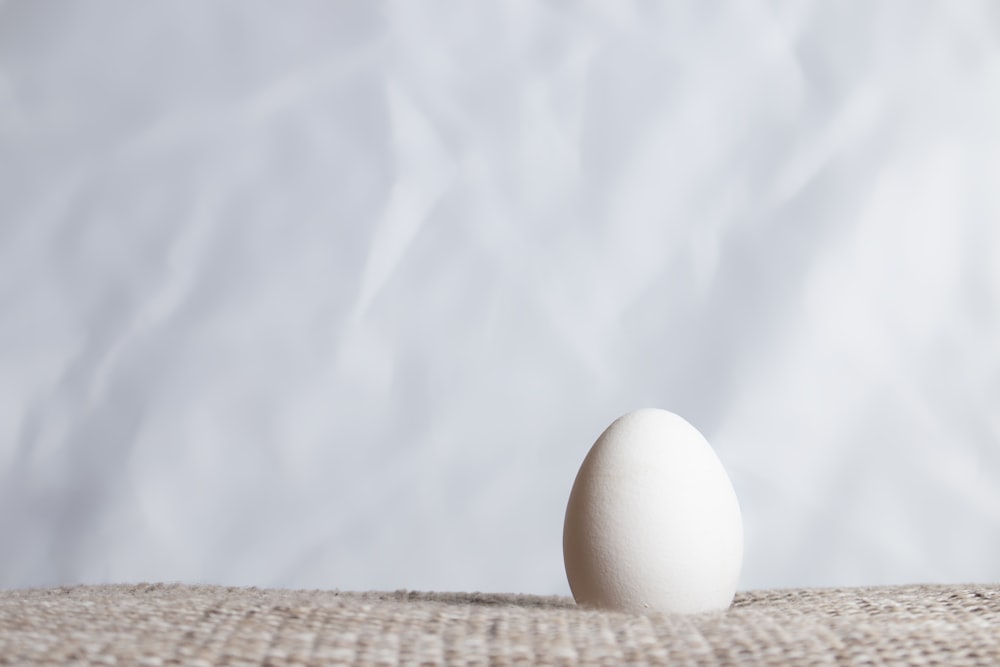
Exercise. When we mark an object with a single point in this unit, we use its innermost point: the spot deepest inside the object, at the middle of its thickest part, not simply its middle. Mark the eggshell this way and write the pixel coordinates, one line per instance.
(653, 523)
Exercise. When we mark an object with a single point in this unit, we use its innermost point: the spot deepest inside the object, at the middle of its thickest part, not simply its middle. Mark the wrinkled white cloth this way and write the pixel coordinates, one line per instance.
(339, 294)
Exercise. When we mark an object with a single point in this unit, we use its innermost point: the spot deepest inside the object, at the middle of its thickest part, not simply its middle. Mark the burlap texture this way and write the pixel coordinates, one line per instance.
(203, 625)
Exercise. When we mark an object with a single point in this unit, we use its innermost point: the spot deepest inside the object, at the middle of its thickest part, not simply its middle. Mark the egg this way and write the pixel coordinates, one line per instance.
(653, 523)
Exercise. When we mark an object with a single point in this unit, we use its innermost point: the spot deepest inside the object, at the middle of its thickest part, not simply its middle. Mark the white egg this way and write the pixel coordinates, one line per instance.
(653, 523)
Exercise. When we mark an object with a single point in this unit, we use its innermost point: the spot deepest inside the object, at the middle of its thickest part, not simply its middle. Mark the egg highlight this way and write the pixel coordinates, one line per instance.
(653, 523)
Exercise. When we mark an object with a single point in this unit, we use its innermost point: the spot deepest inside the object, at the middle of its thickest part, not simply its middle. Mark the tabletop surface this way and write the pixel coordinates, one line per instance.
(160, 624)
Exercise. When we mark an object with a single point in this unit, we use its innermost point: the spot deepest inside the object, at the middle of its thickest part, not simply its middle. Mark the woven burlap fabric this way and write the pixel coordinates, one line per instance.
(204, 625)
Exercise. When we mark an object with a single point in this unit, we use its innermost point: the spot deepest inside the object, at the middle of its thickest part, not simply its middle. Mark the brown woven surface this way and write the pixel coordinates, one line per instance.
(173, 624)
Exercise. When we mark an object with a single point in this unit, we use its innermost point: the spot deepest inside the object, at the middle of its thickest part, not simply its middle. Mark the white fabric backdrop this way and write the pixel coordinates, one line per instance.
(323, 294)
